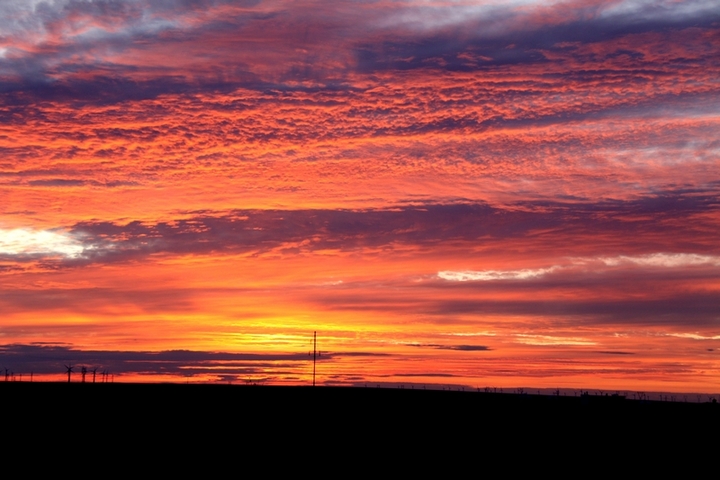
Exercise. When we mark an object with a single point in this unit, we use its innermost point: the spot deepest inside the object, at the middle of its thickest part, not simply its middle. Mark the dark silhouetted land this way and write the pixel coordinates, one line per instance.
(175, 410)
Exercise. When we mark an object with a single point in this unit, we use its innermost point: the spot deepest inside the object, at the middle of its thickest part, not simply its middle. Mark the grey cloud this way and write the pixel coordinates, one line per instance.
(493, 48)
(463, 348)
(34, 76)
(687, 309)
(43, 358)
(683, 309)
(70, 182)
(57, 182)
(652, 221)
(93, 300)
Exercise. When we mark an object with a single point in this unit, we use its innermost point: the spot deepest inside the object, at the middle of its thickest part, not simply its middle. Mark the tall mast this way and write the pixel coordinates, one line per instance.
(314, 354)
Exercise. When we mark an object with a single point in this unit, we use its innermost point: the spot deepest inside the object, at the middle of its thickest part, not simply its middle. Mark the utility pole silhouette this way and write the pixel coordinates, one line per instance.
(315, 354)
(69, 371)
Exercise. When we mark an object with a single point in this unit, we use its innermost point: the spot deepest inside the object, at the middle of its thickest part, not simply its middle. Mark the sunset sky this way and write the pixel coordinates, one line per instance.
(470, 193)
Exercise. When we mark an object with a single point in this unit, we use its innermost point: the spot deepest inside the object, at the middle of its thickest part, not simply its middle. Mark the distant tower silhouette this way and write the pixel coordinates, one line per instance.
(83, 372)
(315, 354)
(94, 370)
(69, 371)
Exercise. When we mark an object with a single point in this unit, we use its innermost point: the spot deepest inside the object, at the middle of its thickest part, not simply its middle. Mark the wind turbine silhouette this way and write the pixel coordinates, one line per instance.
(69, 371)
(94, 370)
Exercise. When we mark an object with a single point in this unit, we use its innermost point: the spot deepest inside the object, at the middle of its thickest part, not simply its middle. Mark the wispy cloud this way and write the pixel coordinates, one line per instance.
(487, 275)
(694, 336)
(462, 348)
(598, 265)
(530, 339)
(663, 260)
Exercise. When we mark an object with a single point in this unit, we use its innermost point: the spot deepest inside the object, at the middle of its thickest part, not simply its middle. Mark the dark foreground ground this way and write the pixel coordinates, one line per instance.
(357, 421)
(146, 404)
